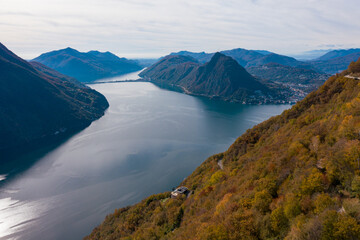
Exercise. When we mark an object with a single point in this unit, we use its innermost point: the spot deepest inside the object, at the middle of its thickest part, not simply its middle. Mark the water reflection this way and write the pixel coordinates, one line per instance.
(124, 77)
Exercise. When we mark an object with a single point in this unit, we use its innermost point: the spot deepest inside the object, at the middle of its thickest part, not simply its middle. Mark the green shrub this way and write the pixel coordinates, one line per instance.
(262, 201)
(323, 201)
(313, 183)
(217, 177)
(279, 222)
(292, 207)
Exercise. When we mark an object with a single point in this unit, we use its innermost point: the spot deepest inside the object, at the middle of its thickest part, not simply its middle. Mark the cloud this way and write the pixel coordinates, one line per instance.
(157, 27)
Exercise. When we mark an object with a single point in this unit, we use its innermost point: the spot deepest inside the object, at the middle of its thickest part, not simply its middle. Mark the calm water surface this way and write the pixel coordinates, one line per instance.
(147, 142)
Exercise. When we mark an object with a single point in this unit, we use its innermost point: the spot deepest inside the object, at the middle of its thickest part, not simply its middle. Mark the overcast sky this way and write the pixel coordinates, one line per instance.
(151, 28)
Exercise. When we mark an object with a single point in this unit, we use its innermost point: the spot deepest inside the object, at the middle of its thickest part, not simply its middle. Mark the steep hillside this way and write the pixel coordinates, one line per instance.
(299, 78)
(87, 67)
(294, 176)
(38, 105)
(221, 78)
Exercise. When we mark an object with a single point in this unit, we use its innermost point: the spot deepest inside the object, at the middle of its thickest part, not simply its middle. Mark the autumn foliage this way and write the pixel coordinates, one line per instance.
(294, 176)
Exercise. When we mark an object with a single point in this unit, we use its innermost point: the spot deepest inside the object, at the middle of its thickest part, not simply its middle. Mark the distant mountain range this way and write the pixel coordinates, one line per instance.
(87, 67)
(201, 57)
(222, 77)
(338, 53)
(293, 78)
(93, 65)
(275, 72)
(335, 62)
(331, 62)
(39, 105)
(301, 77)
(245, 58)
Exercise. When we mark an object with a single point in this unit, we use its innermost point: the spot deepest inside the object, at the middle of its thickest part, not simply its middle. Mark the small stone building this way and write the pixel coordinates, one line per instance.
(180, 190)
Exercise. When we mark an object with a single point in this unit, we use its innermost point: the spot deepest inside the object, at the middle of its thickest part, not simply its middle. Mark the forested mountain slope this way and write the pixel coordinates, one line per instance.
(38, 105)
(294, 176)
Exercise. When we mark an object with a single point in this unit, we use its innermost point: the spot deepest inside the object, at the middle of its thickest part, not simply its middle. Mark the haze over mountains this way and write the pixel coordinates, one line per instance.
(87, 67)
(39, 105)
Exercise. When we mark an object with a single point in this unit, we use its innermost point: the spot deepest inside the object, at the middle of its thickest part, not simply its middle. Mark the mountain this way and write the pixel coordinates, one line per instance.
(246, 58)
(87, 67)
(299, 78)
(39, 105)
(274, 58)
(243, 56)
(336, 64)
(201, 57)
(332, 62)
(294, 176)
(222, 77)
(338, 53)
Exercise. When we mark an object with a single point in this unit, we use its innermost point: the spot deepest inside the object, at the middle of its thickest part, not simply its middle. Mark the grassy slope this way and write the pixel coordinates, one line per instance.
(294, 176)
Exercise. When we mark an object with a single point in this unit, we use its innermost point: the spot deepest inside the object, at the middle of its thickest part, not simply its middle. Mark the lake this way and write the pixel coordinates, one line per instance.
(148, 141)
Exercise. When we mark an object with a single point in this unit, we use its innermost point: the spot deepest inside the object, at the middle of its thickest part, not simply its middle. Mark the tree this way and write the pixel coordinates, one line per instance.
(262, 201)
(355, 185)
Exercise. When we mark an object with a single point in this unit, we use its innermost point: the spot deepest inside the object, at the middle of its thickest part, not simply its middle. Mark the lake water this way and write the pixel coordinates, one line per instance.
(124, 77)
(147, 142)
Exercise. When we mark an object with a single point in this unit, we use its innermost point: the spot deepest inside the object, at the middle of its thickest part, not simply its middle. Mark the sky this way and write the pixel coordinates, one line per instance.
(153, 28)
